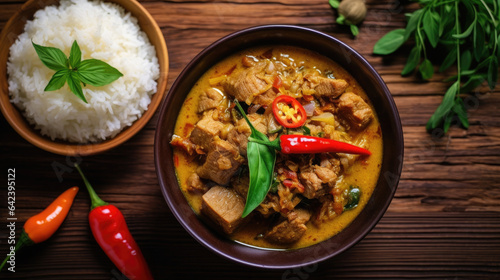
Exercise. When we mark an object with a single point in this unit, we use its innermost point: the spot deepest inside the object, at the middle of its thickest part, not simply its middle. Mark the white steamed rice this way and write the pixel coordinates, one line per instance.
(103, 31)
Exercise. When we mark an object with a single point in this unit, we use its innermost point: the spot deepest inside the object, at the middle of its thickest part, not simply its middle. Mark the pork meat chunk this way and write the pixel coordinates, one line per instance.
(326, 87)
(317, 180)
(205, 130)
(239, 136)
(209, 99)
(313, 185)
(355, 110)
(223, 160)
(291, 229)
(247, 84)
(194, 184)
(331, 88)
(326, 175)
(224, 206)
(266, 98)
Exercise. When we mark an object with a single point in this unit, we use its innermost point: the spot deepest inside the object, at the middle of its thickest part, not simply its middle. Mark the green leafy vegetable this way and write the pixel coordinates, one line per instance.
(468, 32)
(306, 130)
(58, 80)
(97, 73)
(412, 62)
(51, 57)
(334, 3)
(426, 69)
(431, 28)
(261, 160)
(74, 71)
(354, 30)
(390, 42)
(353, 195)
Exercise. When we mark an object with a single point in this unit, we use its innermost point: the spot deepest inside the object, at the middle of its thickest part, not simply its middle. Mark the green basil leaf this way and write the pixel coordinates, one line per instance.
(498, 41)
(431, 28)
(412, 62)
(436, 16)
(390, 42)
(468, 72)
(75, 86)
(459, 109)
(487, 30)
(450, 58)
(449, 8)
(445, 106)
(479, 42)
(340, 19)
(447, 121)
(448, 43)
(412, 24)
(493, 73)
(51, 57)
(482, 19)
(498, 46)
(97, 73)
(58, 80)
(451, 78)
(467, 32)
(306, 130)
(354, 30)
(484, 63)
(353, 197)
(261, 160)
(444, 21)
(334, 3)
(75, 55)
(473, 82)
(465, 60)
(426, 69)
(492, 34)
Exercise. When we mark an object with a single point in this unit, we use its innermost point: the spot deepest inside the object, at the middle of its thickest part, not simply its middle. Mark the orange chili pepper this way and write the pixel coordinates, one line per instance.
(43, 225)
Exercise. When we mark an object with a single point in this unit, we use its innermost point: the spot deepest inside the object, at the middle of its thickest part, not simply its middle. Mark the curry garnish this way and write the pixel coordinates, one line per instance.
(74, 70)
(261, 159)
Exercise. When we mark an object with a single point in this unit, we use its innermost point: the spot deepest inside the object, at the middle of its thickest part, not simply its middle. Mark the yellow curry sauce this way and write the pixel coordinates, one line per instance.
(363, 172)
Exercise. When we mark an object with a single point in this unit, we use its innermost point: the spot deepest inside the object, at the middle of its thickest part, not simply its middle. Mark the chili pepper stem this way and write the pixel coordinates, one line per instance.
(96, 201)
(24, 240)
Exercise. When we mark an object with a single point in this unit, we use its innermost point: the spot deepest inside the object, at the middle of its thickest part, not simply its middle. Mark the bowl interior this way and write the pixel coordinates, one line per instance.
(11, 31)
(352, 62)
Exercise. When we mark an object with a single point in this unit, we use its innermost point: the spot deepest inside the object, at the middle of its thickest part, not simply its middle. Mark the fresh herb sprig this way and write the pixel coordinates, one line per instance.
(74, 70)
(261, 160)
(468, 32)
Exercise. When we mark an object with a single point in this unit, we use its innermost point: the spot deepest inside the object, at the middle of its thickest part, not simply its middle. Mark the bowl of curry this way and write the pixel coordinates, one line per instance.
(278, 147)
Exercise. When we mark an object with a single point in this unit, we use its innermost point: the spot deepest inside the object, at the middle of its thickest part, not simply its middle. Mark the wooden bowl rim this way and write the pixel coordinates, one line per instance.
(15, 118)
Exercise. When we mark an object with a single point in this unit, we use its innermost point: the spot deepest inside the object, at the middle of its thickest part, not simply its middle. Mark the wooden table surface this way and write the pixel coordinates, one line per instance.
(444, 221)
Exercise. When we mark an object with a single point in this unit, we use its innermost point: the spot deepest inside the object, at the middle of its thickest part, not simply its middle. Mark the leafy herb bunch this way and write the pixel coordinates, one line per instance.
(74, 70)
(468, 31)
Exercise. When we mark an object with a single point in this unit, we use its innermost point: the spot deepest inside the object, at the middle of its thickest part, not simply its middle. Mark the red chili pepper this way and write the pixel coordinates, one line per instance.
(292, 185)
(303, 144)
(289, 112)
(111, 232)
(43, 225)
(277, 84)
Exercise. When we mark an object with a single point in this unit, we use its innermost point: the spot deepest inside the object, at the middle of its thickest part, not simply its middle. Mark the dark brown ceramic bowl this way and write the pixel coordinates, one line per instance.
(369, 80)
